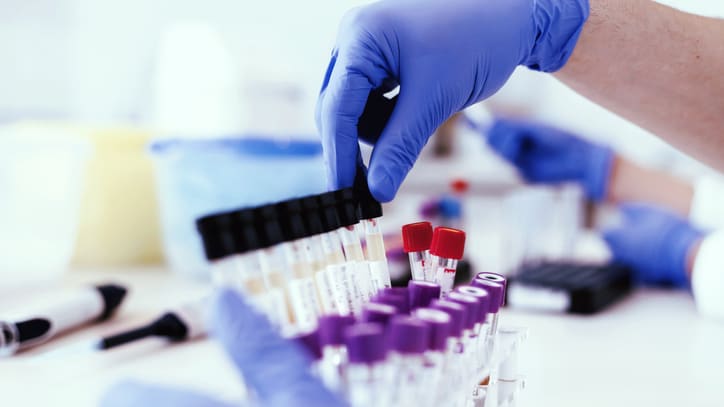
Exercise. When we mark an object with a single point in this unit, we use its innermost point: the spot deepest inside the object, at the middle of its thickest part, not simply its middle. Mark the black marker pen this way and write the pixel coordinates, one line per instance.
(83, 306)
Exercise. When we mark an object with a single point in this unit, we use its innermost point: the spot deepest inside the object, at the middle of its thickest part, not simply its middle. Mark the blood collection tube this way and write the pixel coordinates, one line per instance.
(367, 373)
(447, 248)
(378, 313)
(422, 293)
(439, 328)
(481, 327)
(455, 360)
(401, 303)
(470, 339)
(370, 213)
(495, 291)
(313, 249)
(407, 341)
(221, 249)
(355, 261)
(334, 354)
(416, 239)
(338, 277)
(496, 278)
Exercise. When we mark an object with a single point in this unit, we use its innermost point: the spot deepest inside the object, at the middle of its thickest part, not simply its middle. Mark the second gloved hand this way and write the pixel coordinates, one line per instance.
(445, 55)
(655, 243)
(545, 154)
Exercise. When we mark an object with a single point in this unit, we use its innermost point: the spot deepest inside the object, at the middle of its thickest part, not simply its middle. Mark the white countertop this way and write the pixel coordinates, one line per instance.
(651, 349)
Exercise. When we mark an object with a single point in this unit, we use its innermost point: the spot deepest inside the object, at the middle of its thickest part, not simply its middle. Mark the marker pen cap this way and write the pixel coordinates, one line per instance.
(439, 325)
(378, 313)
(346, 207)
(482, 296)
(448, 243)
(312, 216)
(331, 329)
(365, 343)
(407, 335)
(456, 312)
(417, 237)
(310, 343)
(328, 211)
(494, 289)
(496, 278)
(422, 293)
(400, 303)
(471, 305)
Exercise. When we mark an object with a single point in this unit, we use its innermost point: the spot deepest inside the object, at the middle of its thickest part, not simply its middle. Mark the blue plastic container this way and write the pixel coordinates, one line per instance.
(195, 177)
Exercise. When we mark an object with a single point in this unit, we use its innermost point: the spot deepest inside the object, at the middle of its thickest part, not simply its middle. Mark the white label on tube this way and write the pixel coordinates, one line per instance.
(446, 278)
(380, 275)
(326, 292)
(341, 279)
(277, 310)
(363, 284)
(304, 306)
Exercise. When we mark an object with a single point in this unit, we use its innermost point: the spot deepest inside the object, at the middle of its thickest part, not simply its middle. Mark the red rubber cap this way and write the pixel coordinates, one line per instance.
(448, 243)
(416, 237)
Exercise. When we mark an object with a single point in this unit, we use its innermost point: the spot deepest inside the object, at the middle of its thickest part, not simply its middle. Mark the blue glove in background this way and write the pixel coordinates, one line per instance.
(545, 154)
(274, 369)
(445, 55)
(654, 243)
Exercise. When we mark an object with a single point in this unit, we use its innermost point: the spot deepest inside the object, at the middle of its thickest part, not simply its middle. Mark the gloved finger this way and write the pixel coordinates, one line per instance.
(354, 75)
(275, 369)
(132, 394)
(410, 126)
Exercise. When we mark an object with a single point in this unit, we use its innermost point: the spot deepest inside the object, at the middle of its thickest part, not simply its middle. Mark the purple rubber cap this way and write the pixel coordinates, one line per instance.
(496, 278)
(377, 312)
(331, 329)
(422, 293)
(407, 335)
(310, 343)
(439, 324)
(470, 303)
(399, 302)
(482, 296)
(494, 289)
(457, 315)
(402, 291)
(365, 343)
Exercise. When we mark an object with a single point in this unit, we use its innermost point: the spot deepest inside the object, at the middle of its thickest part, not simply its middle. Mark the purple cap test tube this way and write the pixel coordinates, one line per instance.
(377, 312)
(310, 343)
(494, 289)
(331, 329)
(439, 324)
(482, 296)
(496, 278)
(407, 335)
(422, 293)
(365, 343)
(400, 302)
(399, 291)
(456, 312)
(471, 304)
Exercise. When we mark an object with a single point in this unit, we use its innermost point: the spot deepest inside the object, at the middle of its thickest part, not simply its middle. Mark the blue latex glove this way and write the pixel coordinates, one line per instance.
(548, 155)
(445, 55)
(274, 369)
(654, 243)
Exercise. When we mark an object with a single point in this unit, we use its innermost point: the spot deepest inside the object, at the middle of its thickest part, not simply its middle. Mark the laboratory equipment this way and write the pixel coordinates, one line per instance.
(367, 374)
(334, 353)
(447, 248)
(577, 288)
(378, 313)
(358, 281)
(370, 212)
(416, 238)
(438, 323)
(80, 307)
(401, 303)
(407, 341)
(422, 293)
(198, 177)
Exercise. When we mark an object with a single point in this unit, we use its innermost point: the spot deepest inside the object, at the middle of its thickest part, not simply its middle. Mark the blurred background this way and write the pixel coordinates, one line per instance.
(122, 121)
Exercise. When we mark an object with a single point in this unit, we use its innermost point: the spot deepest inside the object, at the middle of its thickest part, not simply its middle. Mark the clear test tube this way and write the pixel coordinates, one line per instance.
(339, 275)
(370, 213)
(416, 240)
(354, 256)
(334, 353)
(439, 327)
(407, 341)
(481, 328)
(447, 247)
(495, 291)
(366, 372)
(455, 359)
(470, 338)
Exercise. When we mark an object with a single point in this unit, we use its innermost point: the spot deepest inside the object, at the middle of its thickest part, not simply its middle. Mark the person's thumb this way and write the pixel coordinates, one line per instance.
(410, 126)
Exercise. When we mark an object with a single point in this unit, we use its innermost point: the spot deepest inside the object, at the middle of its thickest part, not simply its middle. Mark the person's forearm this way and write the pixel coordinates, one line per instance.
(658, 67)
(630, 182)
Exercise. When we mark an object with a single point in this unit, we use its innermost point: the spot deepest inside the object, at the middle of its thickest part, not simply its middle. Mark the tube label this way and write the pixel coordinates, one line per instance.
(446, 278)
(342, 283)
(380, 275)
(362, 284)
(303, 299)
(326, 293)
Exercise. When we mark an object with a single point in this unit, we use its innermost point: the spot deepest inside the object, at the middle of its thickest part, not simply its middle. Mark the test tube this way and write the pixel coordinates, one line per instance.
(400, 302)
(470, 340)
(378, 313)
(481, 327)
(334, 354)
(360, 272)
(407, 339)
(370, 213)
(447, 246)
(221, 249)
(439, 327)
(455, 360)
(495, 291)
(337, 276)
(366, 372)
(416, 240)
(314, 252)
(496, 278)
(422, 293)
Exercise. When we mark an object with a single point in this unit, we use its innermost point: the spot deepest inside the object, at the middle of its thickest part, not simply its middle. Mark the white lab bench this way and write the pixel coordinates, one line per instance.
(651, 349)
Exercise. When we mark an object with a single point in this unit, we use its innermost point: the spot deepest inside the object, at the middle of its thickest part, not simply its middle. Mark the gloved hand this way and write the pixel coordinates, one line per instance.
(445, 55)
(548, 155)
(274, 369)
(655, 243)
